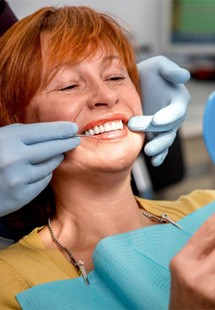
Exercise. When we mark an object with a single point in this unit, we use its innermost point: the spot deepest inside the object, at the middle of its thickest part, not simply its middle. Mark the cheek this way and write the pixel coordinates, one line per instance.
(134, 101)
(138, 107)
(49, 111)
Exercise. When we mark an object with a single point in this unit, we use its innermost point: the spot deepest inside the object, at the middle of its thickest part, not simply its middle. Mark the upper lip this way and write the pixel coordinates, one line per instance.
(104, 119)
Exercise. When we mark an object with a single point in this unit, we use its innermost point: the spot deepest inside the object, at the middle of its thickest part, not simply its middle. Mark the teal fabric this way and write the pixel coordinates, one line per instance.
(131, 271)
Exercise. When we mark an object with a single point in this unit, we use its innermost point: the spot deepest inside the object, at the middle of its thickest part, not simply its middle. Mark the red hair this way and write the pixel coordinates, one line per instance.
(71, 34)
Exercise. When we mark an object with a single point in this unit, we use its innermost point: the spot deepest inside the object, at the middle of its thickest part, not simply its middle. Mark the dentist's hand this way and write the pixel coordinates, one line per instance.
(165, 103)
(28, 156)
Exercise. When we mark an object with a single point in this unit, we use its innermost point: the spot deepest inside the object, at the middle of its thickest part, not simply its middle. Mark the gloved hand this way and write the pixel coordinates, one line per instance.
(29, 154)
(165, 103)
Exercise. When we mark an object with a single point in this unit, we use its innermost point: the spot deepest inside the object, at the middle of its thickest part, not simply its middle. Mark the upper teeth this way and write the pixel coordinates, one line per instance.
(109, 126)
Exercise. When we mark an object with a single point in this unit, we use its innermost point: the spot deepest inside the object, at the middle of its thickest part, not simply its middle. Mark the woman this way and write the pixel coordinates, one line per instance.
(75, 64)
(164, 75)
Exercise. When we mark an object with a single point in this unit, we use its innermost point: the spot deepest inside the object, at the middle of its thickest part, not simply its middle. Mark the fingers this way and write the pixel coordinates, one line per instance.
(193, 271)
(172, 72)
(42, 141)
(34, 189)
(158, 147)
(141, 123)
(41, 152)
(18, 176)
(40, 132)
(43, 170)
(175, 112)
(202, 242)
(160, 143)
(146, 124)
(159, 158)
(165, 119)
(166, 68)
(172, 115)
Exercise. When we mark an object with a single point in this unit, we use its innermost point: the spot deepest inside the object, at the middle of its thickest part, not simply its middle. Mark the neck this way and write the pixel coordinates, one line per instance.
(95, 195)
(96, 203)
(87, 211)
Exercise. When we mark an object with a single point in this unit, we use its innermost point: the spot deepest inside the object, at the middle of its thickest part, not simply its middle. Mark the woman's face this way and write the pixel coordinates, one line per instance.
(98, 95)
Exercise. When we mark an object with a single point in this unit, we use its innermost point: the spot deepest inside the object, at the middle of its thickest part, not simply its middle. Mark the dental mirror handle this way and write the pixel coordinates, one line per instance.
(80, 135)
(84, 136)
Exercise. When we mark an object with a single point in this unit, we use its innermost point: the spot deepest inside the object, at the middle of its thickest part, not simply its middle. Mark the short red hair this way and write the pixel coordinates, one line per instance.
(72, 34)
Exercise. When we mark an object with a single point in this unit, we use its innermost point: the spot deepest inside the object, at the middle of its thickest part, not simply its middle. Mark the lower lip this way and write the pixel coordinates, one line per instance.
(112, 135)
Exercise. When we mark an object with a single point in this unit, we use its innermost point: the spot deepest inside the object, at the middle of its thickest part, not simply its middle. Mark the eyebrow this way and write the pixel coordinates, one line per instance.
(110, 58)
(104, 60)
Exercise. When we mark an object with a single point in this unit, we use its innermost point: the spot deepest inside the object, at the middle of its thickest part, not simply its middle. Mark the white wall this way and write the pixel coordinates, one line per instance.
(142, 16)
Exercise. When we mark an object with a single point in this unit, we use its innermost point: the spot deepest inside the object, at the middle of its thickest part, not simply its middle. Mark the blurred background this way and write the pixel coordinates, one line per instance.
(184, 31)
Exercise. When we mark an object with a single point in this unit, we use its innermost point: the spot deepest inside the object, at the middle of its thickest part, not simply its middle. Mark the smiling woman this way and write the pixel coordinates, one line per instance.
(75, 64)
(51, 68)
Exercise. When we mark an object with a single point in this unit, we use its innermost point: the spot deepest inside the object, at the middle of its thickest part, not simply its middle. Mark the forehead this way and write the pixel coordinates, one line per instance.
(54, 61)
(70, 52)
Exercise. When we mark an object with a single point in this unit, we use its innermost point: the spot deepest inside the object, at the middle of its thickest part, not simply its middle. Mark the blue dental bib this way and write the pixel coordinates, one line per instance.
(131, 271)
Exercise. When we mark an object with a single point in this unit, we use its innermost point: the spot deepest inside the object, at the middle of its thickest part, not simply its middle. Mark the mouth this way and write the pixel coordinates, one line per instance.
(106, 127)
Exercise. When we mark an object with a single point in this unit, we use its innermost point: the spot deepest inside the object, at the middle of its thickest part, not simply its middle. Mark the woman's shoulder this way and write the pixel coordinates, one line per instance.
(26, 245)
(17, 260)
(181, 207)
(13, 281)
(33, 262)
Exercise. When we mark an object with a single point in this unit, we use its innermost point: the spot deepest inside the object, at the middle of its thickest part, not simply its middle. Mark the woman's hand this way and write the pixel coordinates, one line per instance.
(165, 103)
(28, 156)
(193, 271)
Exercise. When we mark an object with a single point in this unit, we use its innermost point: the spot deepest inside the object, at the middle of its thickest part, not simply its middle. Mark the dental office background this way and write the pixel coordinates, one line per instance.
(184, 31)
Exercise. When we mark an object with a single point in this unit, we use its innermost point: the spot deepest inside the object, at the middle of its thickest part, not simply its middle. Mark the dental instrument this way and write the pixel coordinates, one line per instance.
(84, 136)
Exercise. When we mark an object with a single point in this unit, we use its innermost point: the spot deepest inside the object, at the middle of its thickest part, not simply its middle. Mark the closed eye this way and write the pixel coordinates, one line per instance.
(117, 78)
(69, 87)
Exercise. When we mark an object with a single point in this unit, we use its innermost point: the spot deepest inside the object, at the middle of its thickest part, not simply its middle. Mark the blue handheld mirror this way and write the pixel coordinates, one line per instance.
(209, 126)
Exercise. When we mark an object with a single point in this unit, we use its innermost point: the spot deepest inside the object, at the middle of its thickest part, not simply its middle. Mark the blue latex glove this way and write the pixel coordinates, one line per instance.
(29, 154)
(165, 103)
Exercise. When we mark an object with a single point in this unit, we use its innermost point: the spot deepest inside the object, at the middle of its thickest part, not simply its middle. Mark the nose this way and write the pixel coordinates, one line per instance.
(102, 94)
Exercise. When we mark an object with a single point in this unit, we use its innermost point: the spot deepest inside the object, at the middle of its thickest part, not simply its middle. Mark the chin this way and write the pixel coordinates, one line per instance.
(119, 160)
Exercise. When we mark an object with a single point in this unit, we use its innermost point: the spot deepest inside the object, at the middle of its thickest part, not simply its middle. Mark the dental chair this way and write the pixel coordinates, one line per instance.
(209, 126)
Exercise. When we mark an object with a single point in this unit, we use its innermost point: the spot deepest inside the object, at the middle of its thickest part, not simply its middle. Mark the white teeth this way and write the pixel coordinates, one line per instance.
(96, 130)
(91, 132)
(109, 126)
(101, 128)
(115, 127)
